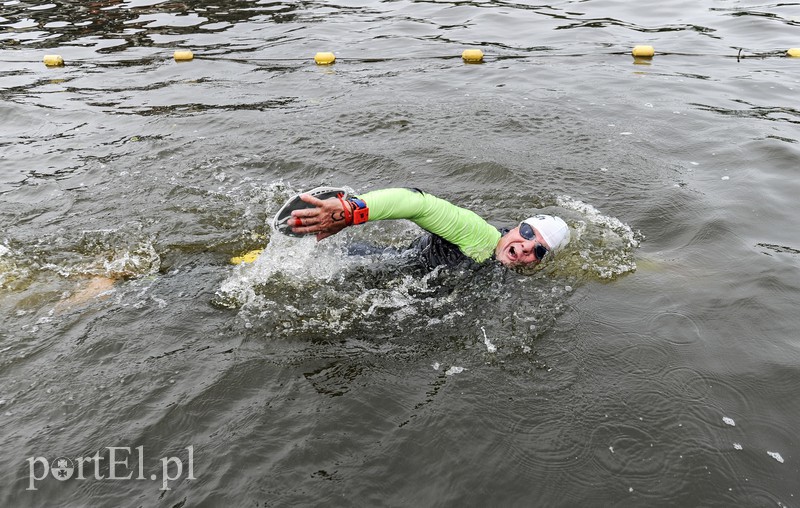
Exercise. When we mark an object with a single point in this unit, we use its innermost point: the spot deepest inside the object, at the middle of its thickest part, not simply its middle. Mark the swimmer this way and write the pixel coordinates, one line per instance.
(455, 235)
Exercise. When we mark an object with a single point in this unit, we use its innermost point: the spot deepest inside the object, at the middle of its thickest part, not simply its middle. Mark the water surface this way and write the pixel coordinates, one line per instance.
(654, 363)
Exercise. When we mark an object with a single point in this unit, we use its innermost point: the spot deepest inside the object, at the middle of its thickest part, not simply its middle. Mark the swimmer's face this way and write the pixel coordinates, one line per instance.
(517, 248)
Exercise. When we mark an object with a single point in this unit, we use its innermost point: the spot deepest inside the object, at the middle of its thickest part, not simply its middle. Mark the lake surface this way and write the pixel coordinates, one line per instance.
(655, 362)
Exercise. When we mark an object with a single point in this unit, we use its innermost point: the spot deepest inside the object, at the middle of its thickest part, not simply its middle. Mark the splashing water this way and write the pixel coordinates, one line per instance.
(602, 246)
(12, 276)
(300, 287)
(106, 253)
(299, 284)
(489, 346)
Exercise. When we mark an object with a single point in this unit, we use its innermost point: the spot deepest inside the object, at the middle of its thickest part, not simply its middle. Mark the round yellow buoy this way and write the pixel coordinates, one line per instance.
(324, 58)
(53, 60)
(183, 55)
(472, 55)
(643, 51)
(793, 52)
(247, 257)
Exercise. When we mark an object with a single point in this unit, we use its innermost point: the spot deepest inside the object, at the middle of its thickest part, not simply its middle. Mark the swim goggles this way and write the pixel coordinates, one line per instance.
(527, 232)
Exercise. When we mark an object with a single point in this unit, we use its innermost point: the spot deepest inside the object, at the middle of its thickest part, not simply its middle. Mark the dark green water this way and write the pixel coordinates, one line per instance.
(655, 363)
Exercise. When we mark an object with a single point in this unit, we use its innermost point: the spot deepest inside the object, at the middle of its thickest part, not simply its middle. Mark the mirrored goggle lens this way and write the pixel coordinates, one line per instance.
(526, 231)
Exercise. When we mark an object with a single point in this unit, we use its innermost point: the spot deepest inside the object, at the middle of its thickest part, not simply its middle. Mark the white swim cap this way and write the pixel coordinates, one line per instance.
(552, 229)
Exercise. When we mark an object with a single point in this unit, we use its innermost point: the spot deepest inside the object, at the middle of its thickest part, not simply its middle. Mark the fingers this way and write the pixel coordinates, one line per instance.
(306, 212)
(311, 200)
(305, 225)
(302, 221)
(322, 219)
(319, 206)
(322, 231)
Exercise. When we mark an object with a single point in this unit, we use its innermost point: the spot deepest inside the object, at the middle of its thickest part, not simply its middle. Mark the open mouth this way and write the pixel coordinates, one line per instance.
(512, 253)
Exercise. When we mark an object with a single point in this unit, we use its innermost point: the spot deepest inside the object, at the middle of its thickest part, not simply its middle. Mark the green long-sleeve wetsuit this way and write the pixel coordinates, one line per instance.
(468, 232)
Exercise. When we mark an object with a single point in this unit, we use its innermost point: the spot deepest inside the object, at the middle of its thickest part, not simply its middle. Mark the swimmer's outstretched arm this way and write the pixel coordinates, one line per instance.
(474, 236)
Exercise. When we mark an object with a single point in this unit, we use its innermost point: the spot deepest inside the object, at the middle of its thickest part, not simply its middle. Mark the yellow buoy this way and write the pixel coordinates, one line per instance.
(324, 58)
(643, 51)
(247, 257)
(472, 55)
(183, 55)
(53, 60)
(793, 52)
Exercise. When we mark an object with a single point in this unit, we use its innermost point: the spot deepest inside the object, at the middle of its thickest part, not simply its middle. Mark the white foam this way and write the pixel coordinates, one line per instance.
(604, 243)
(143, 261)
(454, 370)
(776, 456)
(597, 217)
(300, 259)
(489, 346)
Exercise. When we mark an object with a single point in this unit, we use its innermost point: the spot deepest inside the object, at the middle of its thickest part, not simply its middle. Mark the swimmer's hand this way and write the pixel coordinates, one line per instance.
(325, 219)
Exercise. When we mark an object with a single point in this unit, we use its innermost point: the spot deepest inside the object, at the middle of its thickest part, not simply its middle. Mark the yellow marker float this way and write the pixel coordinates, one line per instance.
(793, 52)
(643, 51)
(53, 60)
(472, 55)
(183, 55)
(324, 58)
